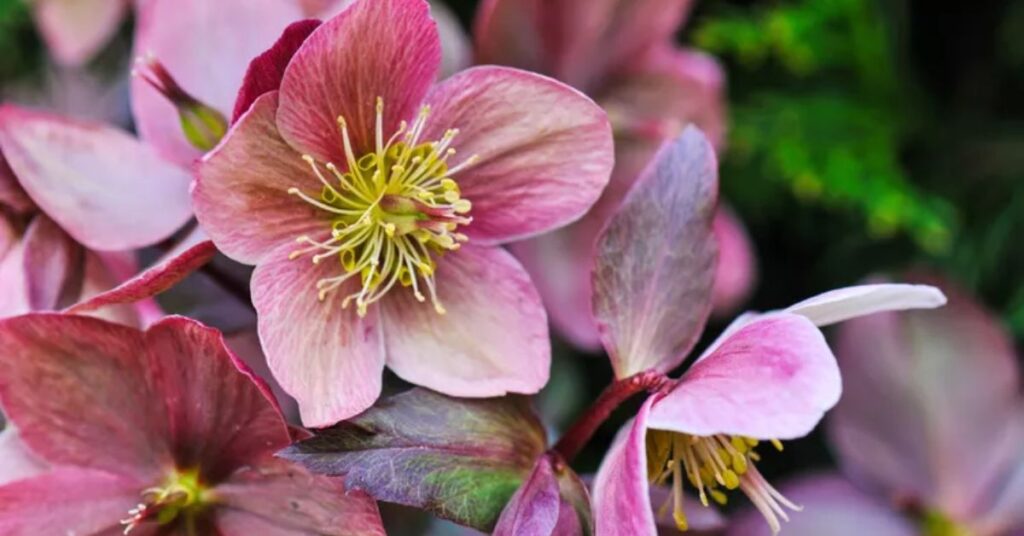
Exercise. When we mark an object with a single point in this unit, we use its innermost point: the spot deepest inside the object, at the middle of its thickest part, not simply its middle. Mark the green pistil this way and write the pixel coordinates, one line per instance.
(181, 497)
(934, 523)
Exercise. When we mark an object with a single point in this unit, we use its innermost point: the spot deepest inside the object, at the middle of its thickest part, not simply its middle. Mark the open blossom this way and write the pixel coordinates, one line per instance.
(623, 54)
(930, 430)
(373, 201)
(155, 432)
(769, 377)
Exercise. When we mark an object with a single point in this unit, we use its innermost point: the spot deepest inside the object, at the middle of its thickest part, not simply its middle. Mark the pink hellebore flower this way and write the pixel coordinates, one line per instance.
(931, 429)
(374, 241)
(769, 377)
(623, 54)
(156, 432)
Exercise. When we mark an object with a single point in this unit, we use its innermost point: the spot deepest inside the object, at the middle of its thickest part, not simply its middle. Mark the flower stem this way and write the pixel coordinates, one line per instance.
(615, 394)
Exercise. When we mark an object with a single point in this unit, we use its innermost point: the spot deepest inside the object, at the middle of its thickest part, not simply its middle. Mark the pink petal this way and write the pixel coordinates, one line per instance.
(16, 461)
(153, 281)
(325, 356)
(622, 505)
(53, 262)
(67, 500)
(561, 38)
(378, 48)
(11, 194)
(221, 416)
(773, 378)
(662, 91)
(534, 508)
(105, 416)
(104, 271)
(1005, 513)
(105, 188)
(737, 270)
(456, 51)
(559, 264)
(266, 70)
(14, 296)
(493, 339)
(521, 126)
(249, 174)
(845, 303)
(279, 498)
(75, 30)
(222, 38)
(655, 261)
(833, 507)
(932, 406)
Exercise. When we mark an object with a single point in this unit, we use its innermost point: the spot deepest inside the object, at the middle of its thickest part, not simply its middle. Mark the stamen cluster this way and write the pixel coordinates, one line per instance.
(181, 497)
(390, 212)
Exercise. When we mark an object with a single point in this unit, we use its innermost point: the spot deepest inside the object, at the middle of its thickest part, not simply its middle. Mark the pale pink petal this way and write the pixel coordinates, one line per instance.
(13, 279)
(655, 261)
(381, 48)
(737, 270)
(84, 398)
(662, 91)
(535, 507)
(279, 498)
(221, 415)
(16, 461)
(773, 378)
(1004, 512)
(266, 70)
(68, 501)
(75, 30)
(492, 340)
(850, 302)
(932, 403)
(222, 37)
(324, 355)
(153, 281)
(622, 505)
(105, 188)
(241, 191)
(832, 507)
(521, 127)
(53, 265)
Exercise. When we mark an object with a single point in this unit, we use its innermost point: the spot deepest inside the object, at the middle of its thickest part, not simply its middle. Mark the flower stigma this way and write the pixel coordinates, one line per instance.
(182, 497)
(713, 465)
(391, 211)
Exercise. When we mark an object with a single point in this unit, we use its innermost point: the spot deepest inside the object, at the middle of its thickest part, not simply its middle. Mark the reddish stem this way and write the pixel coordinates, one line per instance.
(615, 394)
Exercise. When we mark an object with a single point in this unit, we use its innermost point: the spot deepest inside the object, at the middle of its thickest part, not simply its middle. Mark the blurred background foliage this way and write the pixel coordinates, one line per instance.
(867, 137)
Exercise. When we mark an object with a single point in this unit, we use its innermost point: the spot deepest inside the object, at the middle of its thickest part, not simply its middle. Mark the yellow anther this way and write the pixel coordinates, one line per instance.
(719, 497)
(777, 444)
(731, 480)
(680, 518)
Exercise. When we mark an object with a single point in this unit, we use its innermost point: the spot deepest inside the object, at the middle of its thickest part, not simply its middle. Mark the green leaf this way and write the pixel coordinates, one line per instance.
(459, 459)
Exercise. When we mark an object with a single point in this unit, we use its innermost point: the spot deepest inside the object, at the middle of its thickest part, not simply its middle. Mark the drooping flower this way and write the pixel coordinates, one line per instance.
(623, 54)
(769, 377)
(155, 432)
(374, 240)
(930, 430)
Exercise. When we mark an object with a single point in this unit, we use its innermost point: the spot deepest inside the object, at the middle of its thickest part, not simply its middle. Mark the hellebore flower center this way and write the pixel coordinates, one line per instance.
(182, 495)
(711, 464)
(390, 212)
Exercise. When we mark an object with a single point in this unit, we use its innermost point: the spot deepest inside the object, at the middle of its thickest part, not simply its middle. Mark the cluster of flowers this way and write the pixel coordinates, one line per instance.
(373, 194)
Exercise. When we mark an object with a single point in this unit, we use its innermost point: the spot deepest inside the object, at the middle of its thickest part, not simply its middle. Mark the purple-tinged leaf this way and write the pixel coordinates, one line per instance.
(655, 262)
(461, 459)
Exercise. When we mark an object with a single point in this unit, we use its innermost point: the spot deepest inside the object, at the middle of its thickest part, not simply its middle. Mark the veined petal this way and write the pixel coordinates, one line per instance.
(655, 261)
(266, 70)
(773, 378)
(375, 48)
(105, 416)
(833, 507)
(492, 340)
(75, 30)
(241, 190)
(622, 504)
(222, 416)
(850, 302)
(105, 188)
(280, 498)
(325, 356)
(543, 150)
(932, 406)
(67, 500)
(206, 46)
